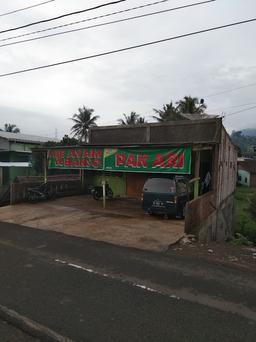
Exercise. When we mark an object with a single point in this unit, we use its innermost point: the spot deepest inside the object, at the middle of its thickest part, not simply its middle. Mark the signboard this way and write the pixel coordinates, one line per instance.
(150, 160)
(162, 160)
(88, 158)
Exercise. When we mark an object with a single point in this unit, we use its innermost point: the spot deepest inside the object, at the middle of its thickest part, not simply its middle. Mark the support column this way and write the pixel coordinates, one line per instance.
(81, 172)
(11, 193)
(45, 167)
(197, 174)
(104, 191)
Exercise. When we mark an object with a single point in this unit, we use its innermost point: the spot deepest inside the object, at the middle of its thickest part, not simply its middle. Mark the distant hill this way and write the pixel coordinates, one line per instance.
(249, 132)
(245, 140)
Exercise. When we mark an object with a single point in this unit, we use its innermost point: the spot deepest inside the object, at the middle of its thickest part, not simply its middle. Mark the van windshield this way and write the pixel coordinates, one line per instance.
(160, 185)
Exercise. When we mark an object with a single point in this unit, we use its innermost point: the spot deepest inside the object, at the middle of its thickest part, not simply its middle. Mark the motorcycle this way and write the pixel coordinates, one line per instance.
(97, 192)
(40, 193)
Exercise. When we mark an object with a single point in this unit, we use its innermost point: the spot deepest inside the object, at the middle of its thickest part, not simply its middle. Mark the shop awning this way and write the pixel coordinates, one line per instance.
(147, 160)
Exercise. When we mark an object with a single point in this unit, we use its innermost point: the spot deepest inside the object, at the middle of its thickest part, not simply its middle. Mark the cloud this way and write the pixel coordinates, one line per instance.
(35, 122)
(137, 80)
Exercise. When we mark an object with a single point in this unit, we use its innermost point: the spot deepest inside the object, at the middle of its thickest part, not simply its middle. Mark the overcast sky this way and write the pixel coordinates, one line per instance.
(40, 102)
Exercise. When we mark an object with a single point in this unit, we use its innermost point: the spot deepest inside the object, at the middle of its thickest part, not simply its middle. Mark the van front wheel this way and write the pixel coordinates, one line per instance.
(181, 213)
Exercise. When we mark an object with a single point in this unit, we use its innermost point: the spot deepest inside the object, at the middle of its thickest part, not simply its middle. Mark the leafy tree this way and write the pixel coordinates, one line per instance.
(132, 119)
(67, 141)
(38, 157)
(246, 144)
(239, 151)
(191, 105)
(237, 134)
(10, 128)
(168, 113)
(82, 122)
(141, 120)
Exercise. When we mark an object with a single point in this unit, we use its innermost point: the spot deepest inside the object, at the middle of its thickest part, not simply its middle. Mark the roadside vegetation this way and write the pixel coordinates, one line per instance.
(169, 112)
(245, 143)
(245, 215)
(10, 128)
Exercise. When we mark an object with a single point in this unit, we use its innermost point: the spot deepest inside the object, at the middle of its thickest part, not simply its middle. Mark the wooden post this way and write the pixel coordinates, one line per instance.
(195, 183)
(45, 167)
(104, 192)
(196, 188)
(1, 176)
(82, 179)
(197, 174)
(11, 193)
(81, 176)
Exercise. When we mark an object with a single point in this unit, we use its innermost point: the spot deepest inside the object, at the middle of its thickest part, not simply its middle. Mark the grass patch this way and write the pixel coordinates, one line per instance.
(245, 217)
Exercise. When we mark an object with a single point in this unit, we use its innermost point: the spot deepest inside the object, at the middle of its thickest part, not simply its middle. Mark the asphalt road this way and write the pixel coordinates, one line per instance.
(9, 333)
(91, 291)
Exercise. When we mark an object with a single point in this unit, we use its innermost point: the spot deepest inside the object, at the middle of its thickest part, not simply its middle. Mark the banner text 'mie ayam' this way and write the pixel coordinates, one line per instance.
(85, 158)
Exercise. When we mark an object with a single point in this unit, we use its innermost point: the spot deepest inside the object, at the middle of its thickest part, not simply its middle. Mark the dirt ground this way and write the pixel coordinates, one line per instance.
(242, 257)
(123, 222)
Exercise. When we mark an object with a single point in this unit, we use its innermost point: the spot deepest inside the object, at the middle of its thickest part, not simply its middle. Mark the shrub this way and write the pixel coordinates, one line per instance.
(241, 240)
(247, 228)
(253, 205)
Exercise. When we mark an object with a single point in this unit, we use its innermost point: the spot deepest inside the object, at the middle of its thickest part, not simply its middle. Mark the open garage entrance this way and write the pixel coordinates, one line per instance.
(122, 222)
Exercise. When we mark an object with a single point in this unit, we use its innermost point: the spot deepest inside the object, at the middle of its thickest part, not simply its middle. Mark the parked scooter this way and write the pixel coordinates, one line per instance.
(40, 193)
(97, 192)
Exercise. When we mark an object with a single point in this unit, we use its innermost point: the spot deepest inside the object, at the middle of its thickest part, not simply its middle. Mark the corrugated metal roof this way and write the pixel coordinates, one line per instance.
(247, 165)
(199, 116)
(205, 131)
(25, 137)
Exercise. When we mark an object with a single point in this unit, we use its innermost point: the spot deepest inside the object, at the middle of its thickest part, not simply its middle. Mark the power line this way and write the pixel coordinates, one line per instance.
(109, 23)
(240, 111)
(233, 89)
(236, 106)
(63, 16)
(128, 48)
(88, 19)
(26, 8)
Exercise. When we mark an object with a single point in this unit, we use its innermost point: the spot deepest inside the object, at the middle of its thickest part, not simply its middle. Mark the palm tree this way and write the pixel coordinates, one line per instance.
(132, 119)
(141, 120)
(11, 128)
(191, 105)
(82, 122)
(168, 113)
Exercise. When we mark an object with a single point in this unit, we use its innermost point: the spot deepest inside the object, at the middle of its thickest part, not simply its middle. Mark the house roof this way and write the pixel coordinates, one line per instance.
(202, 116)
(205, 131)
(26, 138)
(247, 165)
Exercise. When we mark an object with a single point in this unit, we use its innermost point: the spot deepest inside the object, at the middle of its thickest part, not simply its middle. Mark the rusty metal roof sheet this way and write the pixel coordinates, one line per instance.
(27, 138)
(174, 132)
(247, 165)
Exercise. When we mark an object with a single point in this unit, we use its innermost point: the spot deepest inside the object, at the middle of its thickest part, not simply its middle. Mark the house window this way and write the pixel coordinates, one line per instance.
(245, 180)
(239, 178)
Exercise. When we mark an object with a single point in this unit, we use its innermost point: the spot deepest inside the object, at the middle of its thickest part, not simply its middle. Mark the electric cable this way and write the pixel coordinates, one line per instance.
(107, 23)
(85, 20)
(26, 8)
(236, 106)
(240, 111)
(133, 47)
(233, 89)
(63, 16)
